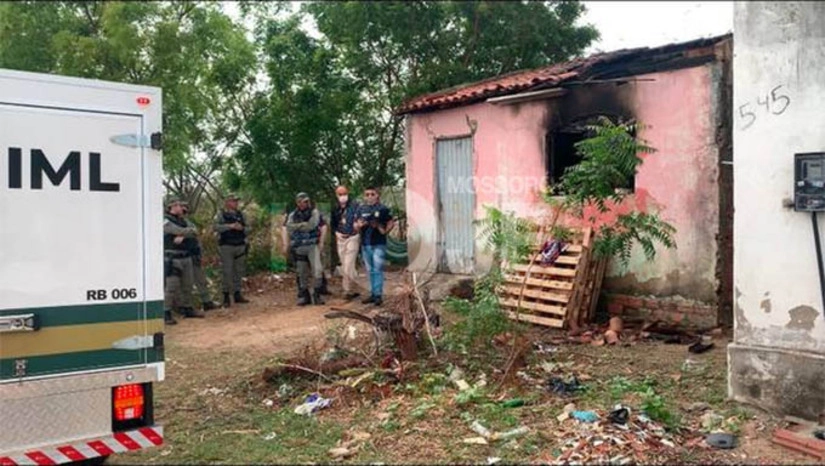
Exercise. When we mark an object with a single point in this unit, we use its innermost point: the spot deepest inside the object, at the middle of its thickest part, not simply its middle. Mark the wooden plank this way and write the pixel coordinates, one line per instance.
(546, 321)
(588, 292)
(538, 270)
(540, 282)
(597, 288)
(574, 306)
(587, 237)
(515, 291)
(564, 260)
(538, 307)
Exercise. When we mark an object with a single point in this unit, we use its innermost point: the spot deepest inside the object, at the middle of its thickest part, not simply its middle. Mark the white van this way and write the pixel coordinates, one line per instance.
(81, 268)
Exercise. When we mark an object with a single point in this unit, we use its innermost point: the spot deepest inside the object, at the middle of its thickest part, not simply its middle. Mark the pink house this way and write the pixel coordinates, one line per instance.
(498, 142)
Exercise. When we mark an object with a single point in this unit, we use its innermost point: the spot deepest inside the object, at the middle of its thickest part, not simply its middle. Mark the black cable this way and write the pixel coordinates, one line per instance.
(819, 257)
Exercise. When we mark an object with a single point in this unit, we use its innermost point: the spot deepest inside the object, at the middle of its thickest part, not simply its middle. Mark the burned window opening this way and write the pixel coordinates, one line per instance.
(562, 153)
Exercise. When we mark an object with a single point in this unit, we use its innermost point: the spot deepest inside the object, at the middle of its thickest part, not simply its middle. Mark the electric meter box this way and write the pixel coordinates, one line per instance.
(809, 182)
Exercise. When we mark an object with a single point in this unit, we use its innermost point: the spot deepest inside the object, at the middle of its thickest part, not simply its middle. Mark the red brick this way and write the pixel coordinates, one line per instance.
(634, 301)
(688, 309)
(651, 304)
(614, 308)
(669, 306)
(793, 441)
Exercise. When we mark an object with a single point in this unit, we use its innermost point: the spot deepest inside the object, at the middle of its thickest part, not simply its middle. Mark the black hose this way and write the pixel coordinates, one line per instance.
(819, 257)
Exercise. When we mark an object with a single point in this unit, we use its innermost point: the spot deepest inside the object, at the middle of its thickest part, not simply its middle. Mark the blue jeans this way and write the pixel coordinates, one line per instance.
(374, 263)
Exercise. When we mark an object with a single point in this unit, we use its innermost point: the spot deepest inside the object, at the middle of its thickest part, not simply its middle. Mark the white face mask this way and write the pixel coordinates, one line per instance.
(343, 199)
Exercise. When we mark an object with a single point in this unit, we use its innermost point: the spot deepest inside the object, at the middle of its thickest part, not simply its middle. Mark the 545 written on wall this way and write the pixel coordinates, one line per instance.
(776, 102)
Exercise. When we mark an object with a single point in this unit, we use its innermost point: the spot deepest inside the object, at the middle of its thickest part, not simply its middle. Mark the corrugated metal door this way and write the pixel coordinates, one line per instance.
(456, 202)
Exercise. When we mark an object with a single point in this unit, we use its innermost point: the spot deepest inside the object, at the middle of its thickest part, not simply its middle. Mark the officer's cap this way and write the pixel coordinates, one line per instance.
(232, 197)
(301, 196)
(170, 201)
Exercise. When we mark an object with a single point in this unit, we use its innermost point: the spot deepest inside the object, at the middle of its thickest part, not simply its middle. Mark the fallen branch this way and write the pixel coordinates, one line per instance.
(426, 315)
(304, 369)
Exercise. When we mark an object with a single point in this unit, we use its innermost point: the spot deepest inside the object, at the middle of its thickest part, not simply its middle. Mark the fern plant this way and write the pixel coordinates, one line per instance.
(506, 236)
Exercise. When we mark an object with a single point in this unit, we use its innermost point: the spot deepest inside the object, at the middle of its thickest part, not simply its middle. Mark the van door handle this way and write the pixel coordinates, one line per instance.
(19, 323)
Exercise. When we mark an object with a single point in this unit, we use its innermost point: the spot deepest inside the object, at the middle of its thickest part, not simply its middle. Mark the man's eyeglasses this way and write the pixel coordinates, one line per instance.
(370, 194)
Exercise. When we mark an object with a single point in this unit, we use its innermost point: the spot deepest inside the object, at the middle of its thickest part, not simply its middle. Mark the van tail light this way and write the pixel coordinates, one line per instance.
(129, 402)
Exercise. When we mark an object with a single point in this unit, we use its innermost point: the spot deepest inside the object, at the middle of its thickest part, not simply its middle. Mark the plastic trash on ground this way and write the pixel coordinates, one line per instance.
(312, 404)
(585, 416)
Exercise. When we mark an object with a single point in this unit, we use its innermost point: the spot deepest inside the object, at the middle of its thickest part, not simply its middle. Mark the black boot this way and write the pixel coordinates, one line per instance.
(324, 288)
(190, 312)
(209, 305)
(304, 298)
(168, 319)
(240, 299)
(226, 301)
(316, 296)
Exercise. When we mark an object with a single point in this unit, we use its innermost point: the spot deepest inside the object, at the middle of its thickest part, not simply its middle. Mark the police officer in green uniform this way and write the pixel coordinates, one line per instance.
(178, 237)
(303, 227)
(197, 269)
(232, 230)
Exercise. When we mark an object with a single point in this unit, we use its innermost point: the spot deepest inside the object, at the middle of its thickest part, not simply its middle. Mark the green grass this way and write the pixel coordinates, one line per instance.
(241, 438)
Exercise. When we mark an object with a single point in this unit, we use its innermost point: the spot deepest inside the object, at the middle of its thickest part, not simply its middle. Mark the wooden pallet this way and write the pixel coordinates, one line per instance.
(562, 295)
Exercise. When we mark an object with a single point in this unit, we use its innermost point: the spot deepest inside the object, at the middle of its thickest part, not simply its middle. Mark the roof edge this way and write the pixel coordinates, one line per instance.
(440, 100)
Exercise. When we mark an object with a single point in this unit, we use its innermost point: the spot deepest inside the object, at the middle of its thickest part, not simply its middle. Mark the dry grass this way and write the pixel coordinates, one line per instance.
(214, 406)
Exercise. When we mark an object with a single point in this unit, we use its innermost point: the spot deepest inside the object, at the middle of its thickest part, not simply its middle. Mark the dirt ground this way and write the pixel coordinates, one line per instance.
(216, 408)
(271, 325)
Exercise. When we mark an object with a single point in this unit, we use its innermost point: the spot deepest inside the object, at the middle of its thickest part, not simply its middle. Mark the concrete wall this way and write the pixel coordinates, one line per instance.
(679, 181)
(778, 357)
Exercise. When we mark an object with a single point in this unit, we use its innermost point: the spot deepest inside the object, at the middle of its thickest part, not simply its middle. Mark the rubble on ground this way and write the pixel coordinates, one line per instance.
(604, 441)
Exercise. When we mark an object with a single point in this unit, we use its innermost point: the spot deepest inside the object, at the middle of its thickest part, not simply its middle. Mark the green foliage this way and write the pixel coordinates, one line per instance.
(636, 227)
(470, 396)
(506, 236)
(421, 410)
(509, 238)
(278, 265)
(302, 135)
(192, 50)
(653, 405)
(327, 117)
(610, 159)
(657, 409)
(434, 383)
(482, 317)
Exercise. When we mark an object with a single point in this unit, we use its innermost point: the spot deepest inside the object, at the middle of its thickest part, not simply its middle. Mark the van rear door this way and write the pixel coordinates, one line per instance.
(72, 242)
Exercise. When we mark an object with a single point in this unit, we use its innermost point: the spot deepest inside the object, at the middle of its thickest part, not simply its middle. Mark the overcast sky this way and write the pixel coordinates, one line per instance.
(642, 24)
(648, 24)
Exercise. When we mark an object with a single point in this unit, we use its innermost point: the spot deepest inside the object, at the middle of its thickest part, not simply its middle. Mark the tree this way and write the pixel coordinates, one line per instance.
(192, 50)
(610, 157)
(369, 58)
(303, 135)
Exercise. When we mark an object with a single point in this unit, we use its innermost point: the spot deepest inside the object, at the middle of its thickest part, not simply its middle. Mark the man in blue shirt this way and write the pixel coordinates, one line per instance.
(346, 238)
(374, 221)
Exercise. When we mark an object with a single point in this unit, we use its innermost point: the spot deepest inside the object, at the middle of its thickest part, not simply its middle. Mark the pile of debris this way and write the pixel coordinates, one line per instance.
(616, 332)
(608, 440)
(407, 317)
